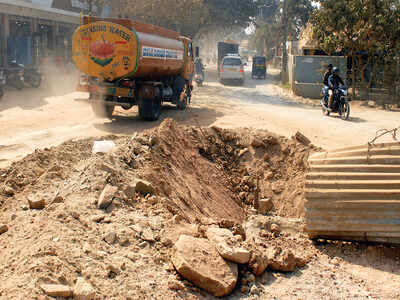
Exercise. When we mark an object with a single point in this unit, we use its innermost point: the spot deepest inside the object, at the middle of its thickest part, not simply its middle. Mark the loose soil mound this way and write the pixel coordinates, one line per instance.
(203, 175)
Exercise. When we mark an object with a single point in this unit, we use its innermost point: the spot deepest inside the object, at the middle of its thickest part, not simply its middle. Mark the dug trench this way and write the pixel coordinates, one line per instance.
(174, 212)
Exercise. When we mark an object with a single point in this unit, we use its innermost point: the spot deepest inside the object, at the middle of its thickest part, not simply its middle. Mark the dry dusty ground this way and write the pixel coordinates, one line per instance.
(203, 175)
(49, 116)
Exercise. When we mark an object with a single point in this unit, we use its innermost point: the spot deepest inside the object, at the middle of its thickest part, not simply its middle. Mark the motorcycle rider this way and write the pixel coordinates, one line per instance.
(327, 74)
(326, 85)
(199, 67)
(334, 81)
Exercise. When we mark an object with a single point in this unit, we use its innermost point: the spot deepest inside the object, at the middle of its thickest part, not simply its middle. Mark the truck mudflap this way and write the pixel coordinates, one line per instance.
(353, 194)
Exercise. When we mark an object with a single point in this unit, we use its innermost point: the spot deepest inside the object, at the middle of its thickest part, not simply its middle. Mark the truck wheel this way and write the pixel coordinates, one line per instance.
(102, 110)
(149, 109)
(1, 92)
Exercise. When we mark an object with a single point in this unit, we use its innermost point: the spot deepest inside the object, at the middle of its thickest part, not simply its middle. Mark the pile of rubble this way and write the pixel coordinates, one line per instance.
(169, 202)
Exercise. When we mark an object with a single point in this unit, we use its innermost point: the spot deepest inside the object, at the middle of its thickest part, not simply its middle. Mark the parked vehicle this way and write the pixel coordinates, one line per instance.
(126, 63)
(259, 67)
(232, 69)
(340, 103)
(31, 75)
(199, 78)
(14, 77)
(2, 82)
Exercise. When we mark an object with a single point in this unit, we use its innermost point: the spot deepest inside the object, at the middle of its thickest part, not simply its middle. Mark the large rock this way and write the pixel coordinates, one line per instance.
(56, 290)
(198, 261)
(107, 196)
(83, 290)
(227, 246)
(144, 187)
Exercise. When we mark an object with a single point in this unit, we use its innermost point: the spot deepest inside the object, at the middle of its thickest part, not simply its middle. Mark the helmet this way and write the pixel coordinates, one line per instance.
(335, 70)
(330, 66)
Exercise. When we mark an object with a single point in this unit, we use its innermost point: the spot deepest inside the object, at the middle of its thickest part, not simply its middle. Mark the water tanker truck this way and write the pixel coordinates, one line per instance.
(125, 63)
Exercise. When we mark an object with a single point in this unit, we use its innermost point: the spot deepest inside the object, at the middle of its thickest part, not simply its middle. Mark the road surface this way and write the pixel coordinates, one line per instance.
(31, 119)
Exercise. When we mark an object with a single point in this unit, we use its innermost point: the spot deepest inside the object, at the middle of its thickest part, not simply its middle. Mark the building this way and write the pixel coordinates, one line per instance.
(32, 30)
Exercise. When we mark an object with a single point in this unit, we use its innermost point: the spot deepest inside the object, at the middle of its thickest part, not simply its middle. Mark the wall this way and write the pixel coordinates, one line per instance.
(306, 73)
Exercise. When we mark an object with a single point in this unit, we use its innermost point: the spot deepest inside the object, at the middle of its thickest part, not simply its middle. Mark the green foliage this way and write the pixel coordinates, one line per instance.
(368, 26)
(191, 16)
(279, 21)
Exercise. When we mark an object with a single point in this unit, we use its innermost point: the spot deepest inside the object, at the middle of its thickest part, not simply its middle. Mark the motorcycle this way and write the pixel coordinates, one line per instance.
(199, 78)
(2, 83)
(29, 76)
(340, 103)
(14, 77)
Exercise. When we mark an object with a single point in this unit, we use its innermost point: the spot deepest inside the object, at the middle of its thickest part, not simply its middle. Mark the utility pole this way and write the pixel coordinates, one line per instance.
(284, 73)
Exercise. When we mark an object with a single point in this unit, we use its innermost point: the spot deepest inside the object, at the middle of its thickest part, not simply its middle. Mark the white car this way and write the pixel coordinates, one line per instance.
(232, 69)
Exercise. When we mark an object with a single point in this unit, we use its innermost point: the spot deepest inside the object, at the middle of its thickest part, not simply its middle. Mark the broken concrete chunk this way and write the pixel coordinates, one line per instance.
(144, 187)
(282, 260)
(302, 138)
(107, 196)
(234, 254)
(258, 262)
(148, 235)
(8, 191)
(227, 245)
(197, 260)
(110, 237)
(264, 206)
(83, 290)
(36, 203)
(56, 290)
(3, 228)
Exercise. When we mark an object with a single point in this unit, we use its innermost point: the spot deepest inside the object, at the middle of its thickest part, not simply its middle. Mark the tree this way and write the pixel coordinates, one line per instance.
(369, 27)
(295, 15)
(191, 16)
(90, 4)
(280, 20)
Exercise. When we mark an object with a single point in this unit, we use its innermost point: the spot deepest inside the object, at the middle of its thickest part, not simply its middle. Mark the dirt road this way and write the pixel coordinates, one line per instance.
(41, 118)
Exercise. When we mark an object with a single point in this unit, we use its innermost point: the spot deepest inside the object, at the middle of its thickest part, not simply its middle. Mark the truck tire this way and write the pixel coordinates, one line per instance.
(149, 109)
(1, 92)
(102, 110)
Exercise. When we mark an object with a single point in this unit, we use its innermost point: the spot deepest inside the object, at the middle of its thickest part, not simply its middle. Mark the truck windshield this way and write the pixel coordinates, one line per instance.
(232, 62)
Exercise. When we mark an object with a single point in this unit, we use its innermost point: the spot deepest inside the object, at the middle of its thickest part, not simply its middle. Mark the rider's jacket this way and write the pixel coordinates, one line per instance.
(326, 77)
(334, 81)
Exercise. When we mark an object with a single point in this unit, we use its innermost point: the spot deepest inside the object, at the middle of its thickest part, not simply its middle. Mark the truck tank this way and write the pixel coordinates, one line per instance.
(121, 48)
